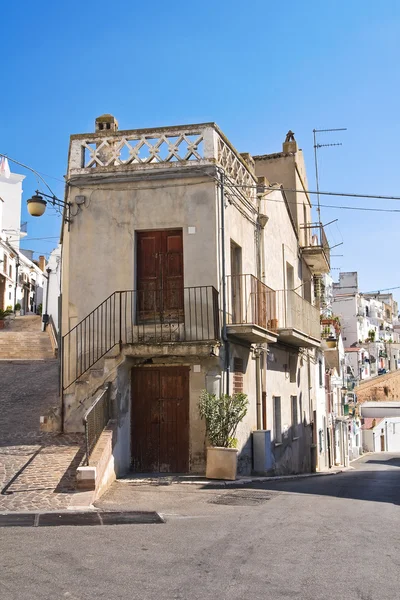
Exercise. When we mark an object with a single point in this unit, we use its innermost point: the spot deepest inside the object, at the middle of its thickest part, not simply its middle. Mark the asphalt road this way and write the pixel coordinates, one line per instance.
(331, 537)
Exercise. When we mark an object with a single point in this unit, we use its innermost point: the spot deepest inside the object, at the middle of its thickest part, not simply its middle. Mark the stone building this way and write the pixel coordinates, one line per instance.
(187, 266)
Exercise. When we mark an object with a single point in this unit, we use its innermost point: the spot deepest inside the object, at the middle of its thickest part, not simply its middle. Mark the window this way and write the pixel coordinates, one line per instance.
(10, 272)
(277, 420)
(5, 263)
(295, 417)
(366, 311)
(321, 378)
(292, 367)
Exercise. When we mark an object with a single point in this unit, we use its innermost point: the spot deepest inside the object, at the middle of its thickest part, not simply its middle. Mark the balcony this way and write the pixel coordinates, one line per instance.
(315, 250)
(298, 321)
(251, 309)
(178, 321)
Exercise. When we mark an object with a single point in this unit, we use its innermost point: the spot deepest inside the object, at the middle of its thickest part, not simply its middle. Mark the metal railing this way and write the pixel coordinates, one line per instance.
(250, 301)
(314, 236)
(95, 420)
(140, 317)
(294, 312)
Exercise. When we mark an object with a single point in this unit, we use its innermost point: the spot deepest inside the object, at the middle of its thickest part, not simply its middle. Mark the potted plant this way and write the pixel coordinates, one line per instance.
(17, 309)
(3, 315)
(222, 415)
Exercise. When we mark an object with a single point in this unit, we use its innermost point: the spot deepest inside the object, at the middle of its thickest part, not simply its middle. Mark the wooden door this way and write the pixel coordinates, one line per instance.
(160, 420)
(382, 443)
(160, 274)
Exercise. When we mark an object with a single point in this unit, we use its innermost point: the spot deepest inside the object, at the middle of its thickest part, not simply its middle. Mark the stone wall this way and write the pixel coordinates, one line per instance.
(384, 387)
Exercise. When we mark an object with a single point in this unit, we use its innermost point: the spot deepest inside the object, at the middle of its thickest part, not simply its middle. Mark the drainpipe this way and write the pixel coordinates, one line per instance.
(223, 274)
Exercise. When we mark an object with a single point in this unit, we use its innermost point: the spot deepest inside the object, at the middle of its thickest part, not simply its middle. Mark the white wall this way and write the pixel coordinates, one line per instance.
(11, 193)
(54, 284)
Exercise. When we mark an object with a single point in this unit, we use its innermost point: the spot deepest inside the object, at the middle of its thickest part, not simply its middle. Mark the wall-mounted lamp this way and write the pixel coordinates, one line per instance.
(37, 204)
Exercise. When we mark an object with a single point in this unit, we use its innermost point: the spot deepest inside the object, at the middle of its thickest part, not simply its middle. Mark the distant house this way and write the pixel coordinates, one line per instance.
(381, 434)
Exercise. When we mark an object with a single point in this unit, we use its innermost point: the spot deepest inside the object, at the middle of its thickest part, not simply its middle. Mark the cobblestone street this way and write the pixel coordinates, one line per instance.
(37, 470)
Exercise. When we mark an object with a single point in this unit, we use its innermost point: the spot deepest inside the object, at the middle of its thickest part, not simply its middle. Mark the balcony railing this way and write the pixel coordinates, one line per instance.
(250, 302)
(315, 247)
(140, 317)
(296, 313)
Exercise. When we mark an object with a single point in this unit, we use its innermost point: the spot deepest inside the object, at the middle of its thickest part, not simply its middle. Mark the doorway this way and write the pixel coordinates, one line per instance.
(160, 420)
(160, 275)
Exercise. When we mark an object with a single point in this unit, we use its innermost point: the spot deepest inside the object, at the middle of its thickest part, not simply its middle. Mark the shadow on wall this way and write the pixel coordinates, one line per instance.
(291, 456)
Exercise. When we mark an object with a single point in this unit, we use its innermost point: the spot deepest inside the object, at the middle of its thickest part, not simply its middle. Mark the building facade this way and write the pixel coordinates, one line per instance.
(204, 280)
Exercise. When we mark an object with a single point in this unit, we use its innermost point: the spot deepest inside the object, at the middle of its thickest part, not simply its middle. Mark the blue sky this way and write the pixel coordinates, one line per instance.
(257, 69)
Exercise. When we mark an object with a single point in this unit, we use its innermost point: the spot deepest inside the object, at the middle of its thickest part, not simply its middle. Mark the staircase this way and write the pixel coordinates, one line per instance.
(22, 338)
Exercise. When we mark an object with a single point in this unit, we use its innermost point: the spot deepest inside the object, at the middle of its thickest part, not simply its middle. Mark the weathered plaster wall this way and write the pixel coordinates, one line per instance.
(99, 250)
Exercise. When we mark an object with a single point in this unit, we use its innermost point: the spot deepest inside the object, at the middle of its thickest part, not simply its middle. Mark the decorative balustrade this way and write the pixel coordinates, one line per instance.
(144, 149)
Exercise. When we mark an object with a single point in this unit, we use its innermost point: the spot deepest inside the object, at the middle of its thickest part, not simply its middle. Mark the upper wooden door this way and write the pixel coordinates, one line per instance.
(160, 420)
(160, 273)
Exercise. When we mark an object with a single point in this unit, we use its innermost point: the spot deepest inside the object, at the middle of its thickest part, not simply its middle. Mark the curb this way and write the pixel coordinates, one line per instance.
(218, 482)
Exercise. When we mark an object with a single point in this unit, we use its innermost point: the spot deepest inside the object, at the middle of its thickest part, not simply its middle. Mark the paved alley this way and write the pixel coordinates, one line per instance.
(37, 470)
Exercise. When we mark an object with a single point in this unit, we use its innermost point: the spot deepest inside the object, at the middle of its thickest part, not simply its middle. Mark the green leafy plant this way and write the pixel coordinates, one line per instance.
(9, 308)
(39, 309)
(371, 334)
(222, 415)
(4, 314)
(17, 306)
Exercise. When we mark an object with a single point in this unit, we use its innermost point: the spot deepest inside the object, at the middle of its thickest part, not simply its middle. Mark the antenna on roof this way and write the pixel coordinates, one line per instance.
(316, 147)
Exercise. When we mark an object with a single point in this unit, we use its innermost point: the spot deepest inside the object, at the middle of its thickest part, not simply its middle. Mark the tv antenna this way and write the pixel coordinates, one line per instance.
(316, 148)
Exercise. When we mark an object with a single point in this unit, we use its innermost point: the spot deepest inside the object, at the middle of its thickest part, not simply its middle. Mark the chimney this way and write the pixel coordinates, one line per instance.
(106, 124)
(42, 263)
(290, 144)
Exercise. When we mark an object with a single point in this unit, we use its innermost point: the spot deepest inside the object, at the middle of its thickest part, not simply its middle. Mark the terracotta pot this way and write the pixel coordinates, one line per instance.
(221, 463)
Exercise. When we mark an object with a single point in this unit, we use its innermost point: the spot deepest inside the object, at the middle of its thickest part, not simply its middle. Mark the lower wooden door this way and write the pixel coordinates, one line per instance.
(160, 420)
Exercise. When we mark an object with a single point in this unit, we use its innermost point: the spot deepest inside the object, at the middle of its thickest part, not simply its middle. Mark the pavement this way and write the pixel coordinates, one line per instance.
(321, 537)
(37, 470)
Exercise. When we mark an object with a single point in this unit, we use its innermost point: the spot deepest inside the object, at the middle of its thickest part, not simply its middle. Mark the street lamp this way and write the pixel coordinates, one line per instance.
(37, 204)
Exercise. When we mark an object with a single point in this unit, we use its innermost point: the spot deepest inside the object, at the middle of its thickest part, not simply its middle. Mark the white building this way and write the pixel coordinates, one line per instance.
(52, 287)
(381, 434)
(21, 278)
(367, 324)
